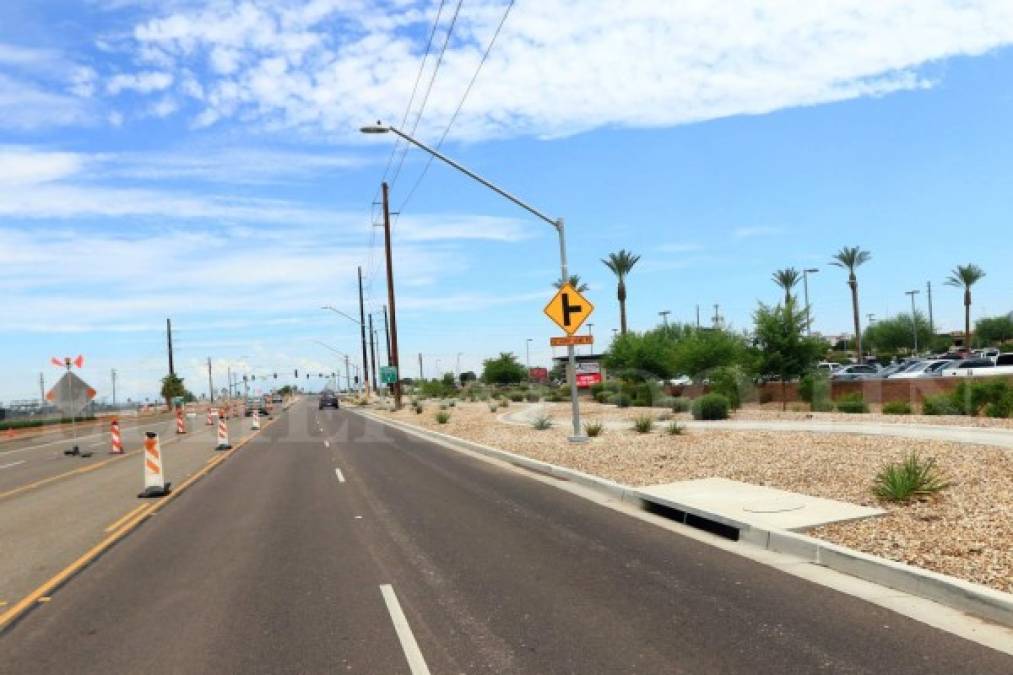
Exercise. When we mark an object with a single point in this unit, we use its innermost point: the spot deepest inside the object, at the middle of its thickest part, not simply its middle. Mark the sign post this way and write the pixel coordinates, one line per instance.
(569, 309)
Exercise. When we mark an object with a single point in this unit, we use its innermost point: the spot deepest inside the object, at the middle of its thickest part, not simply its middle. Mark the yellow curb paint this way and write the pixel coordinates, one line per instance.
(40, 593)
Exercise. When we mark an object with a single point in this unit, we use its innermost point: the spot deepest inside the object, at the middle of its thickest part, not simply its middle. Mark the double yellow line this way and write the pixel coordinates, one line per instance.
(120, 529)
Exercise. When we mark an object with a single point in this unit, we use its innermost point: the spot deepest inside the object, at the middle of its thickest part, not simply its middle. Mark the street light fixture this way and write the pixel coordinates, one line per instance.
(805, 285)
(557, 223)
(664, 316)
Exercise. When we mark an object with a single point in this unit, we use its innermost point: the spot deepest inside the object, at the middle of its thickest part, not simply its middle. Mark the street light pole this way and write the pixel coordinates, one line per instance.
(527, 355)
(557, 223)
(664, 316)
(805, 285)
(914, 324)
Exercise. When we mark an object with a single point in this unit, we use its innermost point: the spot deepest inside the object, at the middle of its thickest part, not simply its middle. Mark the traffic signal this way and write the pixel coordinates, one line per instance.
(297, 372)
(276, 376)
(253, 377)
(356, 378)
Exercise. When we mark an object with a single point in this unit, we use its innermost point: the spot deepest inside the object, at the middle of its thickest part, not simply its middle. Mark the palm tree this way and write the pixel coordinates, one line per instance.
(850, 258)
(787, 279)
(621, 263)
(574, 281)
(965, 276)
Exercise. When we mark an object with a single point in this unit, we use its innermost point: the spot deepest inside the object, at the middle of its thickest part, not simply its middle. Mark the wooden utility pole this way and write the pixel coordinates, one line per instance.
(211, 382)
(386, 332)
(168, 338)
(372, 356)
(362, 328)
(390, 298)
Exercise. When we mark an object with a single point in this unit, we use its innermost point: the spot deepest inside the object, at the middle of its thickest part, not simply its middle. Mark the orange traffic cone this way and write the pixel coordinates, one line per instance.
(154, 475)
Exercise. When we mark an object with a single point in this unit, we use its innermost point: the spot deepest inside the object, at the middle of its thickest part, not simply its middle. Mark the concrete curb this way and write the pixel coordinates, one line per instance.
(975, 599)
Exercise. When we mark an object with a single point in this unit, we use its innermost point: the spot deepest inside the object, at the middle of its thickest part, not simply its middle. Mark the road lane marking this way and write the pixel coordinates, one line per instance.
(84, 469)
(125, 518)
(7, 466)
(327, 444)
(416, 663)
(341, 476)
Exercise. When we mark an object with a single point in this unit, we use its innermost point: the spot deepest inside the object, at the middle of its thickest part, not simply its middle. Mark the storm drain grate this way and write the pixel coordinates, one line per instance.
(692, 520)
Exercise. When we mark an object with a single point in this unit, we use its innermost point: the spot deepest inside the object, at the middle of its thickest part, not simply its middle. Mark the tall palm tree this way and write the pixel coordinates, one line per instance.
(787, 279)
(621, 263)
(574, 281)
(851, 258)
(965, 276)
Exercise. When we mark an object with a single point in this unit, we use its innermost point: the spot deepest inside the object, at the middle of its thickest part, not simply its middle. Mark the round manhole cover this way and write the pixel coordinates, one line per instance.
(774, 506)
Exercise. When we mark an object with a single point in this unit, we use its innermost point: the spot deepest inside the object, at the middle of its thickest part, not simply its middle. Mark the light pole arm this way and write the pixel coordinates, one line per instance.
(468, 172)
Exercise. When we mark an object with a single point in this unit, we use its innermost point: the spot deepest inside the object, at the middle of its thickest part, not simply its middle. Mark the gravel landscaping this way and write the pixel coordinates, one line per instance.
(966, 531)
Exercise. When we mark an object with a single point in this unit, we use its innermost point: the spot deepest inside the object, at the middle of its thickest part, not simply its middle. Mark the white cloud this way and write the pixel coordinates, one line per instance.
(143, 83)
(21, 166)
(25, 105)
(558, 70)
(757, 231)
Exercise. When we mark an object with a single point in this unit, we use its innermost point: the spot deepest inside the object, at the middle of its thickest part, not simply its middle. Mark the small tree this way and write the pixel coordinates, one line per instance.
(993, 330)
(505, 369)
(897, 333)
(785, 353)
(172, 386)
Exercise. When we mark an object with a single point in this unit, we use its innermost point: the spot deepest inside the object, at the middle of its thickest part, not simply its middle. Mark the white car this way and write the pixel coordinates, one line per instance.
(969, 368)
(856, 371)
(1004, 364)
(929, 368)
(827, 367)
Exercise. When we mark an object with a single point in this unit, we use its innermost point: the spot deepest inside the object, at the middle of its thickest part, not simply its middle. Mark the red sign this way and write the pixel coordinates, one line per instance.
(538, 374)
(585, 380)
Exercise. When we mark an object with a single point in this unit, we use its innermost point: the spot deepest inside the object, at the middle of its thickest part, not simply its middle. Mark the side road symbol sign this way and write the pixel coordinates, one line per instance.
(569, 309)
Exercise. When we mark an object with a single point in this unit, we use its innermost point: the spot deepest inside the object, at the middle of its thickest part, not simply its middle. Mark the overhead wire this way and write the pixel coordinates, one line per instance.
(460, 105)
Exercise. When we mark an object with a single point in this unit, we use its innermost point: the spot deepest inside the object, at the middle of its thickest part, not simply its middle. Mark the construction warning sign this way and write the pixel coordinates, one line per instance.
(569, 309)
(70, 394)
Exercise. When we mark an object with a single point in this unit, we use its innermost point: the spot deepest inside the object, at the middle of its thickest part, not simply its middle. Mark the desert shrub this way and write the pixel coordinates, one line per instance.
(542, 422)
(711, 407)
(1001, 408)
(814, 389)
(418, 408)
(643, 424)
(442, 417)
(516, 396)
(971, 397)
(896, 408)
(594, 429)
(664, 417)
(504, 402)
(620, 400)
(680, 404)
(452, 403)
(602, 396)
(675, 429)
(532, 397)
(553, 398)
(597, 388)
(729, 381)
(852, 403)
(940, 404)
(493, 406)
(664, 401)
(902, 481)
(444, 405)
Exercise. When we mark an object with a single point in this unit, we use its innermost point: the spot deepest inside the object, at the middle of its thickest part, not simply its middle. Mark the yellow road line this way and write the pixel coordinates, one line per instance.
(125, 518)
(42, 593)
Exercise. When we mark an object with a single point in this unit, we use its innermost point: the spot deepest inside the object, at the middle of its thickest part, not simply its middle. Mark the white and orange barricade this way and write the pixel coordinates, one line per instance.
(154, 474)
(223, 435)
(116, 441)
(255, 425)
(211, 413)
(180, 421)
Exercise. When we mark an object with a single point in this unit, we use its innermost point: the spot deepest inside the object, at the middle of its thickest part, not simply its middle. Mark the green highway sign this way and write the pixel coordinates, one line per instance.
(388, 374)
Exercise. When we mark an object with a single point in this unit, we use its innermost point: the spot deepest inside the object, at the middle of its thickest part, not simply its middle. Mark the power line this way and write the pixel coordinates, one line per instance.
(429, 89)
(460, 105)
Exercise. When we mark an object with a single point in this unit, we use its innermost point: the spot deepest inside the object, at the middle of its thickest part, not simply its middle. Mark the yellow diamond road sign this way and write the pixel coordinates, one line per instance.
(569, 309)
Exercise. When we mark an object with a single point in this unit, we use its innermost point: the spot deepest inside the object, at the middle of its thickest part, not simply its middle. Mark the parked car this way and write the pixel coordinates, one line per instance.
(1004, 364)
(827, 367)
(858, 371)
(328, 399)
(969, 368)
(255, 404)
(925, 368)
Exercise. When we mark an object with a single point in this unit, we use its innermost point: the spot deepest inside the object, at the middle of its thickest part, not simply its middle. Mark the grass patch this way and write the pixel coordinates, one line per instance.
(542, 422)
(903, 481)
(594, 429)
(643, 424)
(675, 429)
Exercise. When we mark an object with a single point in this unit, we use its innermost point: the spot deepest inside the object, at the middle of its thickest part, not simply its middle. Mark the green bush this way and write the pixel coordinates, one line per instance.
(940, 404)
(553, 398)
(852, 403)
(504, 402)
(594, 429)
(814, 389)
(442, 417)
(1002, 407)
(533, 397)
(729, 381)
(680, 404)
(664, 402)
(643, 424)
(711, 407)
(597, 388)
(675, 429)
(971, 397)
(493, 406)
(516, 396)
(602, 396)
(620, 400)
(901, 481)
(896, 408)
(542, 422)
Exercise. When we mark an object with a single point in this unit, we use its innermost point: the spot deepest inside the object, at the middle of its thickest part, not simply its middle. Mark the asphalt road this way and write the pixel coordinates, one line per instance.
(275, 563)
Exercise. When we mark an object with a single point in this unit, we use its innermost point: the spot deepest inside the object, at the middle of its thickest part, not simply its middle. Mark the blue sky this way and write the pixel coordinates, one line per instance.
(201, 160)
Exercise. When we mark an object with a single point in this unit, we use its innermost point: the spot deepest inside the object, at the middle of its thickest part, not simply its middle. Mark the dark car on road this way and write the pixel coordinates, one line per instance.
(328, 399)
